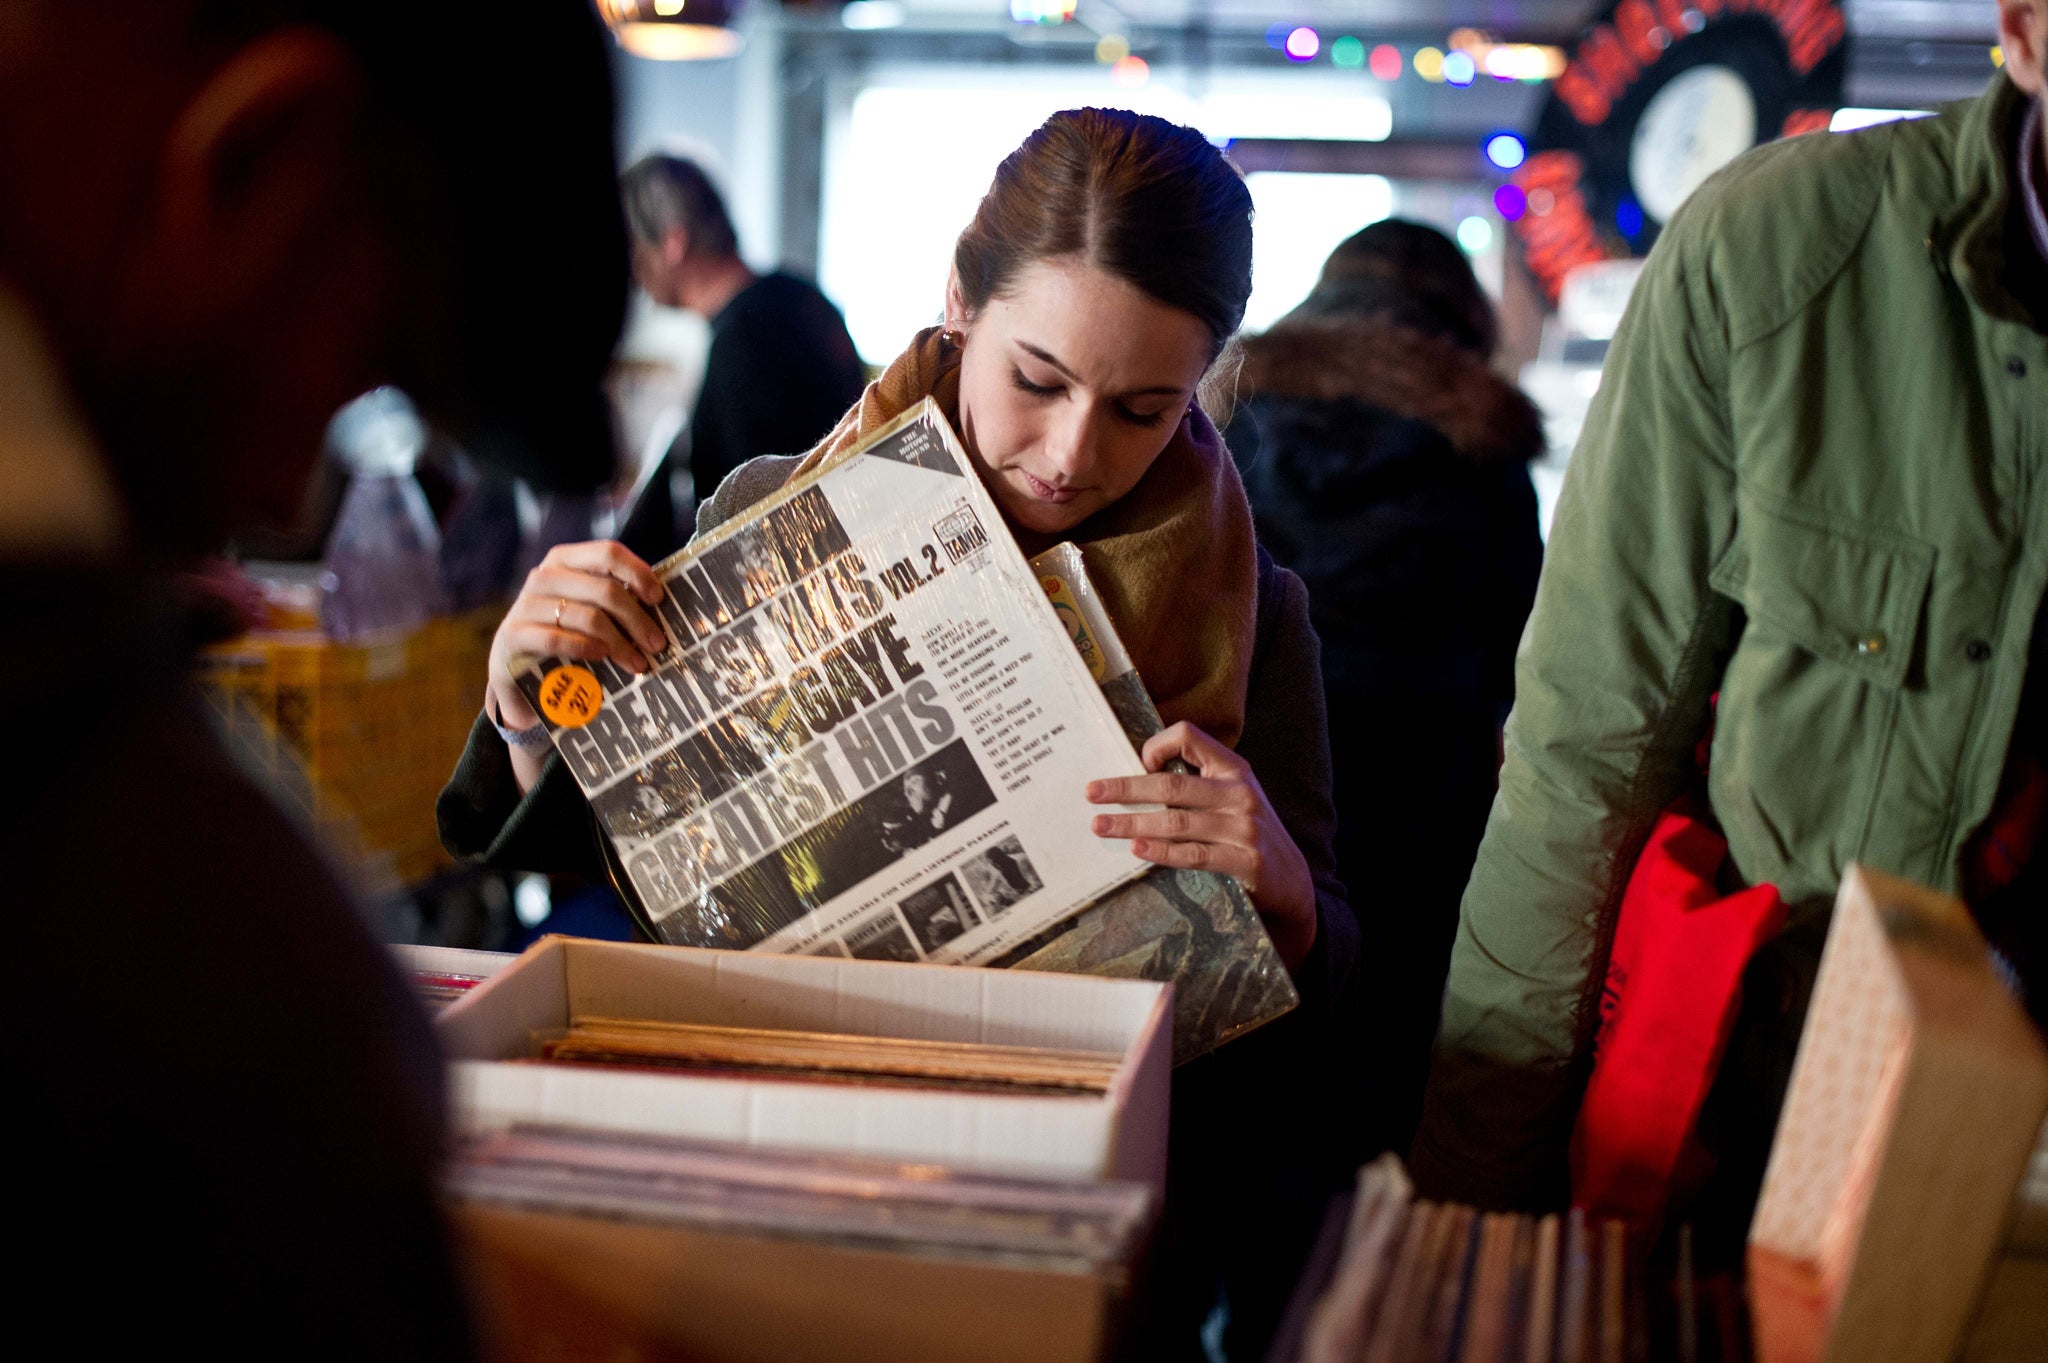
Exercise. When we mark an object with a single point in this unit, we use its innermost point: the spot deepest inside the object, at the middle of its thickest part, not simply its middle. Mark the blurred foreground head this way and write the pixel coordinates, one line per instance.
(230, 216)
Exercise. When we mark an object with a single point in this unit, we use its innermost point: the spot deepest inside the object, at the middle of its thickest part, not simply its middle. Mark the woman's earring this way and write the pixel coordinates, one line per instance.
(952, 337)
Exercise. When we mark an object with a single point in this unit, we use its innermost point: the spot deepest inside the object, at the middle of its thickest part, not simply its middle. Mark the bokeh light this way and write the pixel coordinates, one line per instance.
(1628, 218)
(1045, 12)
(1506, 150)
(1348, 53)
(1475, 234)
(1303, 44)
(1112, 48)
(1386, 62)
(1429, 64)
(1276, 35)
(866, 16)
(1131, 73)
(1460, 69)
(1510, 202)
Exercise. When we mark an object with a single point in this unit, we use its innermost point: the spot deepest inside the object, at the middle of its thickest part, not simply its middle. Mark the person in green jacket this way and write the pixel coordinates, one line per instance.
(1815, 482)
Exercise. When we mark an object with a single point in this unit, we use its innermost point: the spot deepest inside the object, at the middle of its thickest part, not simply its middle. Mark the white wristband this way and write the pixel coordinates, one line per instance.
(535, 737)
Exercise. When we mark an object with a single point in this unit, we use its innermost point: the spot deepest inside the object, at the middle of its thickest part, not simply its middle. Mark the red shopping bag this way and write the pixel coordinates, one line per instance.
(1673, 982)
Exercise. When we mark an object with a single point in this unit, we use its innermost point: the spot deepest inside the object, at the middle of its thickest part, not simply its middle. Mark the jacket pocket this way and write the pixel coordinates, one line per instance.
(1810, 693)
(1852, 595)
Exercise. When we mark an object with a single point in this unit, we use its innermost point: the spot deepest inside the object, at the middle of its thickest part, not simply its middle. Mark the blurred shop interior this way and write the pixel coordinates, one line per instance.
(1495, 123)
(1339, 114)
(1032, 681)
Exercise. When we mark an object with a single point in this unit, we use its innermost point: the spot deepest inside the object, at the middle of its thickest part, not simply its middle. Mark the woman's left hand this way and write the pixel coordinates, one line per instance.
(1216, 819)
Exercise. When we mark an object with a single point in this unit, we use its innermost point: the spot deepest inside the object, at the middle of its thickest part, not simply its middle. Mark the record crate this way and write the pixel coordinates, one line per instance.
(360, 735)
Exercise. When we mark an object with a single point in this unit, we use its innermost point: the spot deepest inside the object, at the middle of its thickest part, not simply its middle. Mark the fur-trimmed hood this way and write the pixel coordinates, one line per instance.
(1482, 416)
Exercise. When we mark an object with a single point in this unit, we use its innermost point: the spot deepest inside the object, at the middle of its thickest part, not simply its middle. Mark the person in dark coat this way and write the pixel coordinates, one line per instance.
(781, 368)
(1388, 466)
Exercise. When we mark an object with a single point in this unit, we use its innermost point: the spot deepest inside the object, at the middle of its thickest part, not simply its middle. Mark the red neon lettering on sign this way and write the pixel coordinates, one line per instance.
(1813, 42)
(1581, 94)
(1639, 31)
(1563, 246)
(1608, 60)
(1552, 170)
(1558, 242)
(1565, 242)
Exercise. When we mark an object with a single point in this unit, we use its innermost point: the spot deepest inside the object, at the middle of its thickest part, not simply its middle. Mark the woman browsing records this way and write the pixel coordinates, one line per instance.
(1102, 276)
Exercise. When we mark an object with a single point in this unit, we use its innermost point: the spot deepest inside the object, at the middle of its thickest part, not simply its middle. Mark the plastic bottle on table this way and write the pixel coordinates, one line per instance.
(382, 571)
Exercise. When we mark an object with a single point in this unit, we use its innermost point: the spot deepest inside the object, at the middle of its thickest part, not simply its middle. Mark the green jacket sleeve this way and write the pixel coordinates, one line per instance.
(1612, 686)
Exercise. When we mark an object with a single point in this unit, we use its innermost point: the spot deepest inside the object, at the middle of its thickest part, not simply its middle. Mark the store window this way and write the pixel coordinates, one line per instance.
(887, 234)
(1300, 219)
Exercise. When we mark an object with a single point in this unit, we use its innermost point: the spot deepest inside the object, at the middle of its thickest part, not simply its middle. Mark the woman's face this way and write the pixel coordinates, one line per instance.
(1071, 384)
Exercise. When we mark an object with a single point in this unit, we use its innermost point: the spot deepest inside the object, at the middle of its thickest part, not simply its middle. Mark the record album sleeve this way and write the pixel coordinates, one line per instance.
(869, 734)
(1194, 928)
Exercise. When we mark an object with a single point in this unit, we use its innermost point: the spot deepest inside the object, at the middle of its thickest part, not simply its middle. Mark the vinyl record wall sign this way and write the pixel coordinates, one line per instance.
(1656, 96)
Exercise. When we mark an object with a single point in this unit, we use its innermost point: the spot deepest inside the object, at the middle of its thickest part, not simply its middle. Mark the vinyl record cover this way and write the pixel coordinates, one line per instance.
(1195, 928)
(1090, 1227)
(869, 734)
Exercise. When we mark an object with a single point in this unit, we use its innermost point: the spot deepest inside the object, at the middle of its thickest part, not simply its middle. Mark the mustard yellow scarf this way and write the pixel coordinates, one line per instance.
(1175, 559)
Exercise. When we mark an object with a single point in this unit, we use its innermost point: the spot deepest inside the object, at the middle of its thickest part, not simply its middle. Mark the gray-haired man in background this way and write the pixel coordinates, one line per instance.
(782, 369)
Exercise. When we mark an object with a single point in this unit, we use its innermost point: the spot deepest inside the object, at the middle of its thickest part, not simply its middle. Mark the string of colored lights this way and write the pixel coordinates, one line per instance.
(1467, 57)
(1464, 58)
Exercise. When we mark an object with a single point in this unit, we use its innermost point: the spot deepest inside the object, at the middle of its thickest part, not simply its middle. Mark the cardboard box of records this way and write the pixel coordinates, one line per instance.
(554, 1288)
(1904, 1213)
(1015, 1073)
(359, 736)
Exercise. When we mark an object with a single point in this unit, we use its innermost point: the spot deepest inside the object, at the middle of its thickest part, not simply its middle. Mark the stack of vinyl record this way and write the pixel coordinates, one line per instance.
(1416, 1281)
(1090, 1228)
(828, 1057)
(436, 989)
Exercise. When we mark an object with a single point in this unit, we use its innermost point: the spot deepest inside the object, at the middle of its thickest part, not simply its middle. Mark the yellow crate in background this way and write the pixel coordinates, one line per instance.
(362, 736)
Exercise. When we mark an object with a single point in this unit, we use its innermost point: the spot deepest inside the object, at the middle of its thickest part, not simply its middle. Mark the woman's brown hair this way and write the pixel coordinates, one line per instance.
(1148, 201)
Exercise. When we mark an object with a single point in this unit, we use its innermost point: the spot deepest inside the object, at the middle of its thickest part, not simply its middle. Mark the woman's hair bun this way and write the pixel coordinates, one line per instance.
(1150, 202)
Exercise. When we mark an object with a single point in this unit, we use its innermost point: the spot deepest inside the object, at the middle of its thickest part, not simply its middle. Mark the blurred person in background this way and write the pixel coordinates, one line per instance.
(781, 368)
(219, 220)
(1389, 467)
(1811, 484)
(1103, 274)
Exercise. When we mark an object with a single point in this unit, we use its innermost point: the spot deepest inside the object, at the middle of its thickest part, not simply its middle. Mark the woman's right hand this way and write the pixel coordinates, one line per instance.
(585, 601)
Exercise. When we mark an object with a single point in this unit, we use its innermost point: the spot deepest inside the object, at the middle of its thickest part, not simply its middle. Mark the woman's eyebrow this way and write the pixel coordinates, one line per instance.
(1164, 389)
